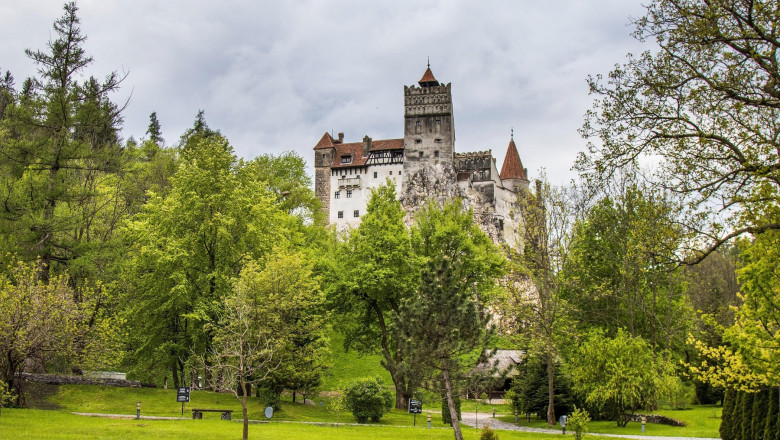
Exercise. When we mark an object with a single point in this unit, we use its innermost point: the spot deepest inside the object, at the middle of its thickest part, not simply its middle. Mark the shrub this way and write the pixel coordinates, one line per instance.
(368, 399)
(577, 423)
(445, 409)
(488, 434)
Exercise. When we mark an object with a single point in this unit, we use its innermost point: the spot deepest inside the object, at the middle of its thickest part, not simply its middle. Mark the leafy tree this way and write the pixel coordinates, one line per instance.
(59, 141)
(244, 351)
(375, 270)
(701, 103)
(368, 399)
(538, 309)
(577, 423)
(186, 249)
(622, 269)
(448, 317)
(616, 375)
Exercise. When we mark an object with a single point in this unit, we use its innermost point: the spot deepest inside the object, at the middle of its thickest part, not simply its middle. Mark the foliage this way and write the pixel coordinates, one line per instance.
(5, 394)
(702, 105)
(728, 415)
(577, 422)
(487, 434)
(617, 374)
(446, 417)
(534, 306)
(368, 277)
(530, 392)
(448, 317)
(368, 399)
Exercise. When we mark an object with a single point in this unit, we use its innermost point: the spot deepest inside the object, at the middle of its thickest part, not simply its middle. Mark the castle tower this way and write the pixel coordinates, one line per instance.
(323, 159)
(513, 176)
(429, 130)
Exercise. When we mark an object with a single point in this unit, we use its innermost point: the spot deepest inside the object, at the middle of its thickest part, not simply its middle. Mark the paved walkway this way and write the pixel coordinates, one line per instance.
(480, 419)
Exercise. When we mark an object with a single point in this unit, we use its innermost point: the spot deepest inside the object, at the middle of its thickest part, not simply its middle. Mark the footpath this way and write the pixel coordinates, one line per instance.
(481, 419)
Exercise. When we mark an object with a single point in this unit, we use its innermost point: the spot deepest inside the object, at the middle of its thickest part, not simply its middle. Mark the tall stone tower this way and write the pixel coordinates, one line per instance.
(324, 153)
(429, 130)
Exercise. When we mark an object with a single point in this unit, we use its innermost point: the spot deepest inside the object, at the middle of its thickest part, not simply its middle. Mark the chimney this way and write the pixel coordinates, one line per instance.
(366, 145)
(341, 138)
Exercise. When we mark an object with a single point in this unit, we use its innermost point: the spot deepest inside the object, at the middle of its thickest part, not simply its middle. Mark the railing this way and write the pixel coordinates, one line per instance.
(349, 182)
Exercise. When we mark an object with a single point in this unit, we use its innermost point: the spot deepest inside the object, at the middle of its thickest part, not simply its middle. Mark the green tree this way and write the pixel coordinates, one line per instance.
(59, 141)
(773, 409)
(372, 273)
(727, 415)
(155, 135)
(448, 316)
(702, 104)
(368, 399)
(616, 375)
(186, 248)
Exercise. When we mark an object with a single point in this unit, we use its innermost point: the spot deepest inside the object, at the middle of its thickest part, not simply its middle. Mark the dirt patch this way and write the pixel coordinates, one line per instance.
(38, 395)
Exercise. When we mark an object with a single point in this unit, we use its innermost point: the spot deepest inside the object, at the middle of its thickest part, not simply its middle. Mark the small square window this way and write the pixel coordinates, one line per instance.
(421, 154)
(438, 141)
(438, 122)
(391, 173)
(337, 194)
(349, 193)
(418, 141)
(436, 153)
(399, 173)
(374, 174)
(341, 214)
(357, 213)
(419, 123)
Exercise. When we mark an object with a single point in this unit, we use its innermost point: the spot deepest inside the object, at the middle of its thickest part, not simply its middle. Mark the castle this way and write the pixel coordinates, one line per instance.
(422, 164)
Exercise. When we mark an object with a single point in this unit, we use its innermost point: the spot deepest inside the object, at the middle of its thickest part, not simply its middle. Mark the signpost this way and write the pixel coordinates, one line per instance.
(562, 421)
(415, 407)
(183, 395)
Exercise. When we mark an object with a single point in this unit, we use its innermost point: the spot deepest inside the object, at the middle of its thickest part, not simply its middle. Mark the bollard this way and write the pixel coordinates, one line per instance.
(515, 416)
(644, 420)
(138, 410)
(429, 420)
(494, 413)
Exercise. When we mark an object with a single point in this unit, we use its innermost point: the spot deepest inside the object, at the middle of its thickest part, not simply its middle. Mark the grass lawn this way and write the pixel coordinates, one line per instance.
(348, 366)
(59, 425)
(702, 421)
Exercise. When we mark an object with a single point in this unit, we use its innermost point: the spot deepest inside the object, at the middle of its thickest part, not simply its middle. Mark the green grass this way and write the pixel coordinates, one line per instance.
(18, 424)
(349, 365)
(702, 421)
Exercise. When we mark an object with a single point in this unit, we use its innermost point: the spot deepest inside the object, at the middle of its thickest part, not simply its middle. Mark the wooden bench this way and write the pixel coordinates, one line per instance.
(226, 413)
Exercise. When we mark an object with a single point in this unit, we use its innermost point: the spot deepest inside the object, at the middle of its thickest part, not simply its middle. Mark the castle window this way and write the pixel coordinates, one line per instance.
(419, 122)
(341, 214)
(418, 141)
(349, 193)
(346, 159)
(337, 194)
(438, 122)
(399, 173)
(391, 173)
(421, 154)
(436, 153)
(438, 141)
(357, 213)
(374, 174)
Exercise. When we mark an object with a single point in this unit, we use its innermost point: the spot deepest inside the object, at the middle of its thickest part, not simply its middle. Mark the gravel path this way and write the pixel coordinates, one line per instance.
(485, 418)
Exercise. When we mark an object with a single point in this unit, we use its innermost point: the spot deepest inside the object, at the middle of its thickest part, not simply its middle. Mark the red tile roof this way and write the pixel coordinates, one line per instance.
(512, 168)
(428, 77)
(325, 142)
(355, 149)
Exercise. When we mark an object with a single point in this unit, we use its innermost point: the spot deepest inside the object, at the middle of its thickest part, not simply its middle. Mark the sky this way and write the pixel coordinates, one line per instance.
(273, 76)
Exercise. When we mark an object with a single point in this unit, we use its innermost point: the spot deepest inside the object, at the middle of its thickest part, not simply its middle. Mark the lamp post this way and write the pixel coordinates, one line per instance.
(138, 410)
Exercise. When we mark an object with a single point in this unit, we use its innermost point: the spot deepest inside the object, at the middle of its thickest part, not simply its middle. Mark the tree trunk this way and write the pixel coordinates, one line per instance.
(401, 398)
(243, 409)
(550, 390)
(450, 401)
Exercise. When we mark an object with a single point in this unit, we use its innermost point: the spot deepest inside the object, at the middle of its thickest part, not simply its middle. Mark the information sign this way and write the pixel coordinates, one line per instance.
(415, 406)
(183, 394)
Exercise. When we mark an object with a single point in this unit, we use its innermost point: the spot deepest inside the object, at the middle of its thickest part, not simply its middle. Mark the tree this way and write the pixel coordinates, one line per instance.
(623, 269)
(59, 141)
(617, 374)
(244, 351)
(448, 316)
(155, 135)
(368, 399)
(38, 321)
(377, 270)
(187, 247)
(703, 105)
(538, 309)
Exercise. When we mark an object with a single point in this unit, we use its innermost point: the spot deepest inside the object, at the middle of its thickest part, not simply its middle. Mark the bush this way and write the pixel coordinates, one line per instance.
(577, 422)
(488, 434)
(445, 409)
(368, 399)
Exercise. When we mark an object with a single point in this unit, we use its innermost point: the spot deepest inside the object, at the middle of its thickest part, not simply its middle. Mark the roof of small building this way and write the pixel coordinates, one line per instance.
(326, 141)
(504, 361)
(513, 167)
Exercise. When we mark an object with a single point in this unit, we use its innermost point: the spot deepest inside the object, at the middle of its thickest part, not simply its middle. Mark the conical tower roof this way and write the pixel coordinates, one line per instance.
(513, 167)
(428, 79)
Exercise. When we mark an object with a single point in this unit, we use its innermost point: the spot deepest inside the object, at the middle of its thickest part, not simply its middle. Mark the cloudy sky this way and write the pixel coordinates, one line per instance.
(274, 76)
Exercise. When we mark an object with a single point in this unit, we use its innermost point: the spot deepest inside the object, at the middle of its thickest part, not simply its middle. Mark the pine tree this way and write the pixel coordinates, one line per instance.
(155, 135)
(770, 425)
(727, 415)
